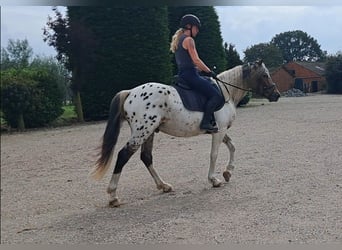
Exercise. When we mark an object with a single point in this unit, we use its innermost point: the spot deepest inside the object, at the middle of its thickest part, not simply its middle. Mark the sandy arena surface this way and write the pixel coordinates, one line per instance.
(286, 186)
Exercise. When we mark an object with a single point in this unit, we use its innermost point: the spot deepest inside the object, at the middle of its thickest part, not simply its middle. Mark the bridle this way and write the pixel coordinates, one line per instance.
(225, 84)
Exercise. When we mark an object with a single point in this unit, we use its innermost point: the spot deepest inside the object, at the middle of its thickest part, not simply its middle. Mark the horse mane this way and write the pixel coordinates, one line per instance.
(236, 77)
(233, 75)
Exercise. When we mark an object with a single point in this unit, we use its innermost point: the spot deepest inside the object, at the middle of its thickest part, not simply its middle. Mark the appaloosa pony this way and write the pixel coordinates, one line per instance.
(154, 107)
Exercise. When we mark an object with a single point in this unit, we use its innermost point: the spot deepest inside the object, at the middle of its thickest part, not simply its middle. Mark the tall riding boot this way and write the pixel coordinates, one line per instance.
(206, 123)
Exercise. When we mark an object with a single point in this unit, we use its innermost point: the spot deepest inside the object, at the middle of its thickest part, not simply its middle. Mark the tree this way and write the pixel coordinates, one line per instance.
(209, 42)
(56, 69)
(73, 43)
(298, 46)
(32, 90)
(31, 97)
(110, 49)
(16, 96)
(16, 55)
(334, 73)
(232, 56)
(269, 53)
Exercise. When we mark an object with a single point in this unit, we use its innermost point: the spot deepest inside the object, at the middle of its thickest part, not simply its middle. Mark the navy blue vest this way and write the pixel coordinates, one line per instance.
(182, 56)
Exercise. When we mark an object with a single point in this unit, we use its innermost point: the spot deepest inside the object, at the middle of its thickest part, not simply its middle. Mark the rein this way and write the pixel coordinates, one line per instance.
(234, 86)
(229, 84)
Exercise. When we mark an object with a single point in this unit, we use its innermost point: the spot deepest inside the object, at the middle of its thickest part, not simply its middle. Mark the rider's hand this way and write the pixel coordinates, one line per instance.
(209, 74)
(212, 74)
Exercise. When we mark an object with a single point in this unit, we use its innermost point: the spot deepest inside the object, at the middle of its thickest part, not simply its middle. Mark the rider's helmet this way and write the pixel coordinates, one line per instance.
(190, 19)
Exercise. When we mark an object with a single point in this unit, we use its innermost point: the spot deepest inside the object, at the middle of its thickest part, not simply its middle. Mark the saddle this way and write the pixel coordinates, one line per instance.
(192, 100)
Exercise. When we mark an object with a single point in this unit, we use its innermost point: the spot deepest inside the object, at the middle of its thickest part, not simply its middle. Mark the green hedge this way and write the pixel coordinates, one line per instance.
(30, 97)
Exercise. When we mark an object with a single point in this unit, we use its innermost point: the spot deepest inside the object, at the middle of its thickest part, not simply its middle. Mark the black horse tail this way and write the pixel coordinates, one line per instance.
(110, 135)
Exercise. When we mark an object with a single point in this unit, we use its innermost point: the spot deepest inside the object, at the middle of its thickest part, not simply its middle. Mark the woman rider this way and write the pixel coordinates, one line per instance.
(188, 63)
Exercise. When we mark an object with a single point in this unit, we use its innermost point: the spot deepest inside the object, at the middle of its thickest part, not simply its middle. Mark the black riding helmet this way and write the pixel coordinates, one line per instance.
(190, 19)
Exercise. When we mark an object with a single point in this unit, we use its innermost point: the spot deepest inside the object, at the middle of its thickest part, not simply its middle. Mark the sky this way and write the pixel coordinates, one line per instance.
(243, 26)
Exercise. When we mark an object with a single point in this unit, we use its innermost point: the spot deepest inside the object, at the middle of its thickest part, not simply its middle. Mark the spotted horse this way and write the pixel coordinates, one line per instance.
(155, 107)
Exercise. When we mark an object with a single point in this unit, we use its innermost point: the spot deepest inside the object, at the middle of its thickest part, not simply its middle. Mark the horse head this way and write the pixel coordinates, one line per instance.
(263, 84)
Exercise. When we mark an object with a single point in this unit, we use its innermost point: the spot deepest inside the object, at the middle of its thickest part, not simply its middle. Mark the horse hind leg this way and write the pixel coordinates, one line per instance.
(139, 136)
(123, 156)
(146, 157)
(228, 142)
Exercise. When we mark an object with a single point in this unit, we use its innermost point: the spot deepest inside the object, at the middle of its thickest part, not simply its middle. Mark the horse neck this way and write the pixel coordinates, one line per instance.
(234, 76)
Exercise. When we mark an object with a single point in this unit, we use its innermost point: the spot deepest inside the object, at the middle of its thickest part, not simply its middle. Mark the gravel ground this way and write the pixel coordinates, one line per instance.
(286, 186)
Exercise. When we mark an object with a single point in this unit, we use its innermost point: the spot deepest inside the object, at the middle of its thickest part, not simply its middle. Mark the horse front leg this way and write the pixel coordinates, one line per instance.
(228, 142)
(146, 157)
(215, 144)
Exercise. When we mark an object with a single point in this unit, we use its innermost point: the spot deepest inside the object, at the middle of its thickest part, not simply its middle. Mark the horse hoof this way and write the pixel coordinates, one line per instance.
(216, 183)
(165, 187)
(226, 175)
(114, 203)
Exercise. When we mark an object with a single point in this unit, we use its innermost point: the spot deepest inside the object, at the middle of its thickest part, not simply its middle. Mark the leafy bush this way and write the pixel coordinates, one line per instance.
(30, 97)
(16, 97)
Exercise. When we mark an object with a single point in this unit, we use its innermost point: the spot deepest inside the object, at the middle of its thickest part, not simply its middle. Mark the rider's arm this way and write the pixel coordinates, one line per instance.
(189, 44)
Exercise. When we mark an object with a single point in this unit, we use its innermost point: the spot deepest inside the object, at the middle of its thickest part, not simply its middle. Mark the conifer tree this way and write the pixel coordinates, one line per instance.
(232, 56)
(110, 49)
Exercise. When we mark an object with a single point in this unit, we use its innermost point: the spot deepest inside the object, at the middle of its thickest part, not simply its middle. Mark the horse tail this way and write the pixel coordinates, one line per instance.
(110, 135)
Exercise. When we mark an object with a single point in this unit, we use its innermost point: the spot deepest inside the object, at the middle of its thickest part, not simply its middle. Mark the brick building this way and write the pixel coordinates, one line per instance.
(306, 76)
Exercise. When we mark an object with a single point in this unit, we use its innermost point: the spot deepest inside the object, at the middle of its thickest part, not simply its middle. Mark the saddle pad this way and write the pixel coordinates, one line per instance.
(193, 100)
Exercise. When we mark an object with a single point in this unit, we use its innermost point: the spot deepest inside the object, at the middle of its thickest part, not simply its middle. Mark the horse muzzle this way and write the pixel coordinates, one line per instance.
(272, 93)
(274, 97)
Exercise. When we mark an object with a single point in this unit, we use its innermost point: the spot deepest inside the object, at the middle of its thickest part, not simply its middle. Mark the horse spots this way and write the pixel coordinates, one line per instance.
(152, 118)
(165, 104)
(164, 92)
(160, 106)
(130, 102)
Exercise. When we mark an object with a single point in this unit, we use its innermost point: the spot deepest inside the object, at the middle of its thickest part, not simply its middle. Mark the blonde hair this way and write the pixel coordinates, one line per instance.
(175, 40)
